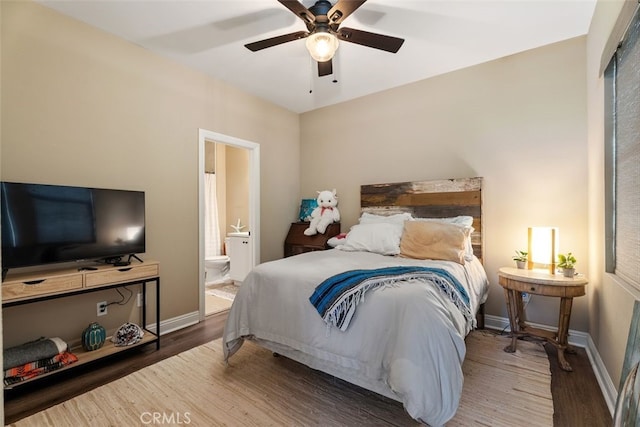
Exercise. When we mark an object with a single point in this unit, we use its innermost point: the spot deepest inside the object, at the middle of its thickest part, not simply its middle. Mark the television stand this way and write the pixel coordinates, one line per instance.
(60, 284)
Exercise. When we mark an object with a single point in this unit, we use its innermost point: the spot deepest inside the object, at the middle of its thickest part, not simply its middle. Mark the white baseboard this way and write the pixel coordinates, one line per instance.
(606, 384)
(578, 339)
(175, 323)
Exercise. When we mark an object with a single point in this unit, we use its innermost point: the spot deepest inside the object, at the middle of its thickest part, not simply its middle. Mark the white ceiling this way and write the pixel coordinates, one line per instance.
(440, 36)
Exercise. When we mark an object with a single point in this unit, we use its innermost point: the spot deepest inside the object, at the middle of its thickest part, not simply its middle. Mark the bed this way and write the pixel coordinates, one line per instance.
(397, 326)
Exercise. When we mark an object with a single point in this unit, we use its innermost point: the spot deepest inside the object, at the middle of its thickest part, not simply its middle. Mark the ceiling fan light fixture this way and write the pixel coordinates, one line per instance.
(322, 45)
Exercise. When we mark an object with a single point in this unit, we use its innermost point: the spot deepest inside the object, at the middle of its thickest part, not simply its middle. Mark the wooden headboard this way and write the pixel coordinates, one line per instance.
(429, 199)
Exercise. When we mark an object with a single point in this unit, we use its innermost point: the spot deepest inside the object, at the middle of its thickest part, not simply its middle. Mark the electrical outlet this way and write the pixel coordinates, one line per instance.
(101, 308)
(526, 297)
(139, 301)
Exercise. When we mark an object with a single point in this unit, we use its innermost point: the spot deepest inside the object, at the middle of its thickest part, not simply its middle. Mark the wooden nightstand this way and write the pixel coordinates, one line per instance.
(539, 282)
(297, 243)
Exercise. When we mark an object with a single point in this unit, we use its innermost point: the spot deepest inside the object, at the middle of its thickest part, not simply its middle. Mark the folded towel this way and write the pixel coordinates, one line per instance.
(33, 369)
(42, 348)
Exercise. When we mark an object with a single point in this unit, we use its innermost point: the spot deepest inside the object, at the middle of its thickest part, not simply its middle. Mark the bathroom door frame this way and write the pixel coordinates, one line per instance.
(254, 199)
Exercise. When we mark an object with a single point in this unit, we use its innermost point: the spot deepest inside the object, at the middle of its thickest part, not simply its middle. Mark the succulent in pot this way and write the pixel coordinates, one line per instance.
(521, 258)
(567, 263)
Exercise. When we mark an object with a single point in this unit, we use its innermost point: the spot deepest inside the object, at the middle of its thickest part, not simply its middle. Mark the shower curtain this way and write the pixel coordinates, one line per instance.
(211, 225)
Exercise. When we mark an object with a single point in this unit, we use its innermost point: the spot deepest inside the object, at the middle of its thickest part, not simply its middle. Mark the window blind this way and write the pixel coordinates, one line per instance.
(626, 145)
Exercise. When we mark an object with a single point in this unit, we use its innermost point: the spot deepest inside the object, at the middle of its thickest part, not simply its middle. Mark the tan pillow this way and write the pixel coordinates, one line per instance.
(434, 240)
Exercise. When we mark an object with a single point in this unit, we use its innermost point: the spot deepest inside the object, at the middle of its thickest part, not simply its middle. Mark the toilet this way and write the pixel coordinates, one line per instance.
(216, 269)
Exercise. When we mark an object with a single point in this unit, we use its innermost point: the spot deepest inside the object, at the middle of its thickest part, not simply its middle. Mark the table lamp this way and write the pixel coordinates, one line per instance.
(543, 247)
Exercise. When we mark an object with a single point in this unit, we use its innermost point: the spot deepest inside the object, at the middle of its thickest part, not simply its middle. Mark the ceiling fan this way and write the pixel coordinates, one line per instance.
(323, 21)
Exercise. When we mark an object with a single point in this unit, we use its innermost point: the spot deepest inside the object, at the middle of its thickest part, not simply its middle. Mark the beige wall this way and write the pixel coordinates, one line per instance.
(519, 122)
(611, 301)
(237, 172)
(82, 107)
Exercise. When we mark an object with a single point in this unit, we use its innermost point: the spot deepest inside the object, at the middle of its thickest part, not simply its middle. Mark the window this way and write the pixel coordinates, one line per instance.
(622, 158)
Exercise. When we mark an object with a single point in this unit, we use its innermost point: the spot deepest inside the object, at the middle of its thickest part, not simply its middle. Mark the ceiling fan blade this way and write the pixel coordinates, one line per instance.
(274, 41)
(342, 9)
(325, 68)
(299, 10)
(365, 38)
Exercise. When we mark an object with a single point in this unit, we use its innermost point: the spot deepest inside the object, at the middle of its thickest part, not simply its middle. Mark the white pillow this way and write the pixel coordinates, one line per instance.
(381, 238)
(369, 218)
(468, 246)
(460, 220)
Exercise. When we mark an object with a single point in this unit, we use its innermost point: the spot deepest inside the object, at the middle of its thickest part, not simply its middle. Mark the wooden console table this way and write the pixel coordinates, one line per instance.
(539, 282)
(26, 288)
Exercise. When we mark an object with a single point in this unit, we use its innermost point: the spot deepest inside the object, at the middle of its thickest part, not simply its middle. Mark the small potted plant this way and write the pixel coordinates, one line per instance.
(567, 264)
(521, 258)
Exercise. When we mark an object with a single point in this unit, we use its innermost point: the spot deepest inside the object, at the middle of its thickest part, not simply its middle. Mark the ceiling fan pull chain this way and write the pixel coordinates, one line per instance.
(311, 69)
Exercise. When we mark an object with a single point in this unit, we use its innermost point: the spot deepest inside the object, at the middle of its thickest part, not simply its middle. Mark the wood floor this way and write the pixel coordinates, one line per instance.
(576, 395)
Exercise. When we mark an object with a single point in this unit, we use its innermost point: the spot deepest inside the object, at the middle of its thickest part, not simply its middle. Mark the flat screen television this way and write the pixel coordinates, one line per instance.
(44, 224)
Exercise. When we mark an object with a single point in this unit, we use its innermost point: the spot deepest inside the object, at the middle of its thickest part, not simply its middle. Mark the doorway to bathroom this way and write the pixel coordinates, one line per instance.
(228, 217)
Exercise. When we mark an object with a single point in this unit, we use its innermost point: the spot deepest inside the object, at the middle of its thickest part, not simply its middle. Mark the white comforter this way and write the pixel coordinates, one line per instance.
(405, 341)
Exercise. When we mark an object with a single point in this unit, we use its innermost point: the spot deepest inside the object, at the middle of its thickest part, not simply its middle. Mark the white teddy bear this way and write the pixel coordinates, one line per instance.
(325, 214)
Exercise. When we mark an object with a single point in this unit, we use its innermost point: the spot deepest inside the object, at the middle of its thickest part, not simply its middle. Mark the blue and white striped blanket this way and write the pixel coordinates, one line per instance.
(337, 297)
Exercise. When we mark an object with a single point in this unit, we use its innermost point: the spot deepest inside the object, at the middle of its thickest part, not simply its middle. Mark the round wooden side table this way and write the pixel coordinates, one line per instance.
(515, 281)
